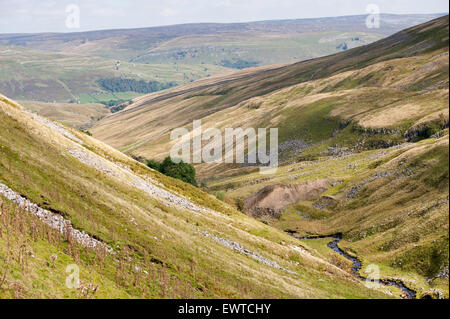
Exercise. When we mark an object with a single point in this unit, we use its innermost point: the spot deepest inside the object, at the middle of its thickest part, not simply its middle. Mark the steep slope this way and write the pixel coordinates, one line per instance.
(308, 101)
(70, 202)
(81, 116)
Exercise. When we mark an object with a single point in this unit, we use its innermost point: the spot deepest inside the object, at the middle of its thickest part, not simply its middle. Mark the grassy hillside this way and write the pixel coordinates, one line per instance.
(29, 74)
(391, 204)
(81, 116)
(309, 101)
(155, 237)
(373, 121)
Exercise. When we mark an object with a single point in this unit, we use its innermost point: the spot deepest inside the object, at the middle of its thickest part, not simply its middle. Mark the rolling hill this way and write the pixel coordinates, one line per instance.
(28, 74)
(71, 67)
(263, 42)
(364, 133)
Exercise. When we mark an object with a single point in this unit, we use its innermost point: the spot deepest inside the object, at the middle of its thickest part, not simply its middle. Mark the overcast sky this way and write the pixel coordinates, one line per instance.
(50, 15)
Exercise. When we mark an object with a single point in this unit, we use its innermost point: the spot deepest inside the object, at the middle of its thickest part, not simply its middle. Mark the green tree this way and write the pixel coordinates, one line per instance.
(181, 170)
(154, 164)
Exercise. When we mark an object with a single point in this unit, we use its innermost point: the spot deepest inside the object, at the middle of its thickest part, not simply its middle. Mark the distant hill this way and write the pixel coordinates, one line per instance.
(70, 67)
(29, 74)
(264, 42)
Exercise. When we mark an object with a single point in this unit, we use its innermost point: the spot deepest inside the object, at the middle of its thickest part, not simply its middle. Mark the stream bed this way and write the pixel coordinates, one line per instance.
(356, 267)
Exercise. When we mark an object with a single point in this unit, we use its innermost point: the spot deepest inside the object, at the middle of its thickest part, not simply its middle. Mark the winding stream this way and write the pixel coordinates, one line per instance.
(410, 294)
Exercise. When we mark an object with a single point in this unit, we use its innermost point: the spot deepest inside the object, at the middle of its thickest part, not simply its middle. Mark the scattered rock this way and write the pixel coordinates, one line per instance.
(339, 151)
(53, 220)
(237, 247)
(56, 127)
(324, 202)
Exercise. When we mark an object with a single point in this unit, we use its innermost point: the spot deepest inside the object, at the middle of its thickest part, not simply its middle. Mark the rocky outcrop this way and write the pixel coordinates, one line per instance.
(53, 220)
(269, 201)
(56, 127)
(426, 130)
(356, 189)
(237, 247)
(325, 202)
(375, 131)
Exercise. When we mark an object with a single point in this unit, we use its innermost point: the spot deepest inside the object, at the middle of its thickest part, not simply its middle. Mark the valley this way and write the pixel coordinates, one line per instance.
(164, 233)
(354, 128)
(361, 189)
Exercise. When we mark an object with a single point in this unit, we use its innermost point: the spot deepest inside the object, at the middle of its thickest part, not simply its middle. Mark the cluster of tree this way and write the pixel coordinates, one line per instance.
(238, 64)
(132, 85)
(112, 103)
(121, 106)
(86, 132)
(181, 170)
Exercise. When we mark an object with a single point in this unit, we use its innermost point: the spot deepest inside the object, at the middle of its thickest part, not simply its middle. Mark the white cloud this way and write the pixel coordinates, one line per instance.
(49, 15)
(223, 3)
(168, 12)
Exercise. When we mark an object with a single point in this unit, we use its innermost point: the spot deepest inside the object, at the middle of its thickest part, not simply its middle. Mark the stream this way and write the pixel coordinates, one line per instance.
(409, 293)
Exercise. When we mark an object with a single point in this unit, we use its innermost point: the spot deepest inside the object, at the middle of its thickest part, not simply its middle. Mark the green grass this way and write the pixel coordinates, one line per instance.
(30, 269)
(107, 97)
(436, 163)
(144, 232)
(389, 231)
(312, 123)
(61, 77)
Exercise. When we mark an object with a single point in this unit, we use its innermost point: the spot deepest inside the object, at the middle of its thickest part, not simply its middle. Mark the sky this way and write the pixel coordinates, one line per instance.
(26, 16)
